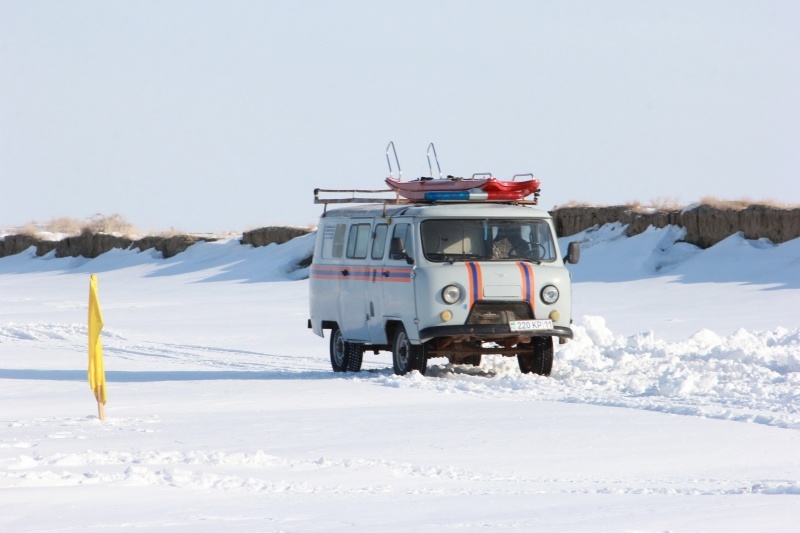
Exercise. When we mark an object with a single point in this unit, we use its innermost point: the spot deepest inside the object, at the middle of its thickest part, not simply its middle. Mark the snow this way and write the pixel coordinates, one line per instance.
(676, 407)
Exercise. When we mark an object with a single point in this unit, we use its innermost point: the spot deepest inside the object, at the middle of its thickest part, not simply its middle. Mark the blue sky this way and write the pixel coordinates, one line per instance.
(216, 116)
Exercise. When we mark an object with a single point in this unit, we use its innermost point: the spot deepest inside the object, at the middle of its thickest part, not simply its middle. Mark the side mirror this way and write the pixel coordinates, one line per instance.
(397, 251)
(574, 252)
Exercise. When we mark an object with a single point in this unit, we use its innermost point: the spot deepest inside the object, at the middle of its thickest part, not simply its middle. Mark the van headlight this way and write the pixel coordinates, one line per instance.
(451, 294)
(550, 294)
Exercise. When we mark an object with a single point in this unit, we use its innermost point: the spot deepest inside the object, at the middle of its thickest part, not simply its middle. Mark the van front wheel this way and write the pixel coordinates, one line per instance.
(536, 357)
(345, 356)
(408, 357)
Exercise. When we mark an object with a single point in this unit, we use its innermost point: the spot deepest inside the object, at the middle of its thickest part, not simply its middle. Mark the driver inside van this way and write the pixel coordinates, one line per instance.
(509, 243)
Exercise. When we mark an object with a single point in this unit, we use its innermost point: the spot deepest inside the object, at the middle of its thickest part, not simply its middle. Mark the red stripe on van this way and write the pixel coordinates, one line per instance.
(337, 272)
(395, 275)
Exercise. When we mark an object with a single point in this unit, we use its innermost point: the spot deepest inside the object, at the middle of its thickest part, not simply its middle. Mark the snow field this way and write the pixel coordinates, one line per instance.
(224, 415)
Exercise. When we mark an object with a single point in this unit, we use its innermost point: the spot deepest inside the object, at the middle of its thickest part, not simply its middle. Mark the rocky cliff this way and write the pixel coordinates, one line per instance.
(90, 244)
(705, 225)
(272, 234)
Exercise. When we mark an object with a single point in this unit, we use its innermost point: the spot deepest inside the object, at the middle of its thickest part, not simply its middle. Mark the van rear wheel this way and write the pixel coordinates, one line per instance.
(345, 356)
(408, 357)
(537, 356)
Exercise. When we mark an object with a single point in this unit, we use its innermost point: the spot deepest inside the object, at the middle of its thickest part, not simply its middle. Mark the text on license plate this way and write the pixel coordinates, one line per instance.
(530, 325)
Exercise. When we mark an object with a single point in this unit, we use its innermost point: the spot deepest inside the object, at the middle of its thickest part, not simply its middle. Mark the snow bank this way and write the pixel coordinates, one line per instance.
(747, 377)
(610, 256)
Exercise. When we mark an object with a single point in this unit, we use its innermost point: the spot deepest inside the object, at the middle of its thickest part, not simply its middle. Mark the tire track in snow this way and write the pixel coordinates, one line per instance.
(264, 473)
(72, 337)
(217, 358)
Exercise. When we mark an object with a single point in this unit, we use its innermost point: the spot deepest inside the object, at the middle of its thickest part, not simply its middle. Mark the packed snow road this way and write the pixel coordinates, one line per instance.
(746, 376)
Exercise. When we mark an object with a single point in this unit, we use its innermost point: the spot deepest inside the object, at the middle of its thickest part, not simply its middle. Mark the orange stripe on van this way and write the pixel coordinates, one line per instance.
(479, 294)
(528, 285)
(475, 277)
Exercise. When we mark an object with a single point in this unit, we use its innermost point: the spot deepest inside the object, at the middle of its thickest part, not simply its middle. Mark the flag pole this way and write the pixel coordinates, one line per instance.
(101, 411)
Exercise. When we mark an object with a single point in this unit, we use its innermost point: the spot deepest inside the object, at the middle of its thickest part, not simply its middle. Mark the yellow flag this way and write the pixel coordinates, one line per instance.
(97, 373)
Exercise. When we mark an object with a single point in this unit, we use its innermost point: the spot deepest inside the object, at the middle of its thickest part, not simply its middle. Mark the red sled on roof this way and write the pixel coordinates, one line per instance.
(480, 187)
(417, 189)
(460, 189)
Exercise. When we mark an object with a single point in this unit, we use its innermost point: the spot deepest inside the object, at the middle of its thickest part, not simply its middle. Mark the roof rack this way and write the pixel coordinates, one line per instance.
(352, 199)
(342, 197)
(348, 196)
(397, 199)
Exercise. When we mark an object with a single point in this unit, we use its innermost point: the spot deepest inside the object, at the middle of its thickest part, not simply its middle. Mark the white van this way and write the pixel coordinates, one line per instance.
(454, 280)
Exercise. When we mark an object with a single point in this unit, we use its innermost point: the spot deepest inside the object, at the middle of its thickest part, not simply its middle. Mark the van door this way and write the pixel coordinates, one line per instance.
(397, 289)
(355, 276)
(374, 292)
(326, 272)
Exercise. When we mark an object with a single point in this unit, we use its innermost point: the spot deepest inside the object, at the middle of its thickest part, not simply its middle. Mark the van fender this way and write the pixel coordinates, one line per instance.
(411, 329)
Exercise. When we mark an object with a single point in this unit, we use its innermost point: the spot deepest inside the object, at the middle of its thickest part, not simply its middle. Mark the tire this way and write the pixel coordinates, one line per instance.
(474, 360)
(345, 356)
(407, 357)
(537, 357)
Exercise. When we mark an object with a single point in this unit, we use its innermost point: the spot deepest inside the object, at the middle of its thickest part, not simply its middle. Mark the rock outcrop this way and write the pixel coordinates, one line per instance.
(14, 244)
(278, 235)
(272, 234)
(88, 244)
(705, 225)
(169, 246)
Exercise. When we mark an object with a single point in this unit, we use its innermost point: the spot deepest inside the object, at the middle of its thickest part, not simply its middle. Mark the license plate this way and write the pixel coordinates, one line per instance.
(530, 325)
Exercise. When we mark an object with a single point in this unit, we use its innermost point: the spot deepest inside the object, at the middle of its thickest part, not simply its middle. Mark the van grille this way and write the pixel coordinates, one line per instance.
(499, 312)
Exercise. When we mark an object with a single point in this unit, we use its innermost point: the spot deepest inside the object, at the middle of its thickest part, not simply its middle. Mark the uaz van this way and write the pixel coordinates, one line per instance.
(453, 280)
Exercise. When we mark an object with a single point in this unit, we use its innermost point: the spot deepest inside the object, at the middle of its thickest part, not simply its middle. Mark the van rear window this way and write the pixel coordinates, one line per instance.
(358, 241)
(333, 240)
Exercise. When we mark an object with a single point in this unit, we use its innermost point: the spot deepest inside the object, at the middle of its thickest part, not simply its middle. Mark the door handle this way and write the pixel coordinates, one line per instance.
(345, 272)
(385, 273)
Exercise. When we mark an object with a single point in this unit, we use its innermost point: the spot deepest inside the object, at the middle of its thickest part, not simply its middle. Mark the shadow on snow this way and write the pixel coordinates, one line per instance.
(122, 376)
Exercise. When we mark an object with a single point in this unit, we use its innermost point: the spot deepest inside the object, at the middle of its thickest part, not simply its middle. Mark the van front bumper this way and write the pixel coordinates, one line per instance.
(491, 331)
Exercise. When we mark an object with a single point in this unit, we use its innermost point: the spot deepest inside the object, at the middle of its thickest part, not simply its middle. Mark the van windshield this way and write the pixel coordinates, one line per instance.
(487, 240)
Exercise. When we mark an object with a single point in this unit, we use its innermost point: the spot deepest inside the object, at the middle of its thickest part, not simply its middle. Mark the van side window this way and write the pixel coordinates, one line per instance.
(401, 240)
(379, 241)
(358, 241)
(333, 240)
